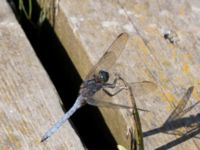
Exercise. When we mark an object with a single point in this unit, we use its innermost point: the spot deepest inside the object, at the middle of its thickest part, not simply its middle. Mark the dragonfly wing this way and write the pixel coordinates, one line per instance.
(142, 88)
(100, 103)
(181, 106)
(111, 55)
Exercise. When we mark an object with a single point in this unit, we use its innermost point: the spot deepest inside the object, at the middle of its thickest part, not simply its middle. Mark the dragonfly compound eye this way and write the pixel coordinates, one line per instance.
(103, 76)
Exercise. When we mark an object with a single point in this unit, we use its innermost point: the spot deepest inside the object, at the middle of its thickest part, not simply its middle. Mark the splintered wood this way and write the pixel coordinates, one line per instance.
(29, 103)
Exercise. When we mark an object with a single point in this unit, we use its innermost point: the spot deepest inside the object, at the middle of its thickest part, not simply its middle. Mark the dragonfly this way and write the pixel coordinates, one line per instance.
(96, 80)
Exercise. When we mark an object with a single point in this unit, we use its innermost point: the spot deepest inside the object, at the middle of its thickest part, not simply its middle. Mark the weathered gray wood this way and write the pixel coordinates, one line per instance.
(87, 28)
(29, 103)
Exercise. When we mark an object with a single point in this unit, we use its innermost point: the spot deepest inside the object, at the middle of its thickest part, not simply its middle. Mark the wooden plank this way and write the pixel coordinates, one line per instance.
(87, 28)
(29, 103)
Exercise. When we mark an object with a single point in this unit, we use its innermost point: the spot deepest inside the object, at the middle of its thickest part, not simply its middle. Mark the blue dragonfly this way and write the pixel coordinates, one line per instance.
(97, 80)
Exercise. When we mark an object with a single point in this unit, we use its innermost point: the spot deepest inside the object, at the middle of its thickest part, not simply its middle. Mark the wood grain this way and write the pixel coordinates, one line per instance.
(29, 103)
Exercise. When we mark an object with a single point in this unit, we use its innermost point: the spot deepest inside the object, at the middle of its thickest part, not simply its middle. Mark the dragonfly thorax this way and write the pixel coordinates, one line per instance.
(102, 77)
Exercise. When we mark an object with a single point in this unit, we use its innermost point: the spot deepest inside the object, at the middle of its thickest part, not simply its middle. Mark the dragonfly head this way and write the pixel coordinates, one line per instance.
(103, 76)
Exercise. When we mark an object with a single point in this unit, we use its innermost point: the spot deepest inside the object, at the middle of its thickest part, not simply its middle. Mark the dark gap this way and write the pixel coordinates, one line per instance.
(87, 121)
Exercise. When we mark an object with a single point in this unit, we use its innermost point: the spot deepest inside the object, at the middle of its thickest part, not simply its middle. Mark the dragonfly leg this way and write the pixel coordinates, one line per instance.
(115, 92)
(113, 85)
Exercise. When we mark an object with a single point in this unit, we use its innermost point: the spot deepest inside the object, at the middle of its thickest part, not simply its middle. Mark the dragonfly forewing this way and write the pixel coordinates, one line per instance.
(111, 55)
